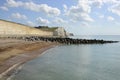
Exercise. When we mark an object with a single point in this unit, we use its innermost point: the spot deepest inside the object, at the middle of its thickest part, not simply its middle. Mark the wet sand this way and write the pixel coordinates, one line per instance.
(13, 53)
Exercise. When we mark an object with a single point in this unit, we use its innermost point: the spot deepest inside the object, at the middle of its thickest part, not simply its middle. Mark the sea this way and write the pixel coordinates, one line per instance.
(75, 62)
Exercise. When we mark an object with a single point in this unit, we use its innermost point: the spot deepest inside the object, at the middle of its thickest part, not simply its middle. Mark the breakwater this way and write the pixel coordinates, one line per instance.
(68, 40)
(62, 40)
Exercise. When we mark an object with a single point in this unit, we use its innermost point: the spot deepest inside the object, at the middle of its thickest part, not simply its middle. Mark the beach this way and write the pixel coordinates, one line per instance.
(15, 52)
(75, 62)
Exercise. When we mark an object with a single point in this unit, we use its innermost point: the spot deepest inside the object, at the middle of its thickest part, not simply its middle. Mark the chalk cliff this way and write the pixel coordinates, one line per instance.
(60, 31)
(11, 28)
(57, 31)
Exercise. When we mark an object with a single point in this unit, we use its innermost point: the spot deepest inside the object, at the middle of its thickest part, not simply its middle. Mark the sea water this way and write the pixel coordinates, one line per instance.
(76, 62)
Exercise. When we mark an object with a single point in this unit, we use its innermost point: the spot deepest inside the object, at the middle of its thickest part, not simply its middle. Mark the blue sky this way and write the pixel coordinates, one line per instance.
(81, 17)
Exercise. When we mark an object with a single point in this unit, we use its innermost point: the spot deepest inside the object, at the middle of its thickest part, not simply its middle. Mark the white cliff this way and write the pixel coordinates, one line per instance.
(60, 31)
(11, 28)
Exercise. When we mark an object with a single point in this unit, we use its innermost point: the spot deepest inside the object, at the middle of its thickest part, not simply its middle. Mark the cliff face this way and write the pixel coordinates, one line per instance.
(60, 31)
(11, 28)
(57, 31)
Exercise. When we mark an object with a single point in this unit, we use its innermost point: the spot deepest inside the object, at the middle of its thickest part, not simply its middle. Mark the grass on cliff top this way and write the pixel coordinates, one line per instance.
(47, 28)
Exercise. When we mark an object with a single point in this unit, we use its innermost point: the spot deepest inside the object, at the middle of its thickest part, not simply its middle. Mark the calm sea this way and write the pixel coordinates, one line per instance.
(76, 62)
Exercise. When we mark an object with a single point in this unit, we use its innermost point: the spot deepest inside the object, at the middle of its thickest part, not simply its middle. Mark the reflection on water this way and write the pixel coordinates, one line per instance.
(75, 62)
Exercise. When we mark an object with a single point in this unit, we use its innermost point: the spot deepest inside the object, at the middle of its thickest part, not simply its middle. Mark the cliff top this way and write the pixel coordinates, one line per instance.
(13, 22)
(46, 28)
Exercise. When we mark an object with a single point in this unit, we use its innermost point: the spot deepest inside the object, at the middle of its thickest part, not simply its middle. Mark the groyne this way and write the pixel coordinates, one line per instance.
(62, 40)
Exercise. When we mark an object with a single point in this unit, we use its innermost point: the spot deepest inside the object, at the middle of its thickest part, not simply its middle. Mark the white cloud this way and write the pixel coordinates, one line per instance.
(101, 16)
(87, 17)
(18, 16)
(31, 6)
(30, 23)
(42, 21)
(4, 8)
(84, 24)
(114, 5)
(65, 7)
(59, 20)
(44, 8)
(111, 1)
(94, 3)
(110, 18)
(83, 6)
(98, 3)
(115, 9)
(80, 12)
(13, 3)
(49, 10)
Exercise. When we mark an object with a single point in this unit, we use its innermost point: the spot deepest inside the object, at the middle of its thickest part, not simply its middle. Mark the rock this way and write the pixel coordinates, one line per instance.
(60, 31)
(69, 34)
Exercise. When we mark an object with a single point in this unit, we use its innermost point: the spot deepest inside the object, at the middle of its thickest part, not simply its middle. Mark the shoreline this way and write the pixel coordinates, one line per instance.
(8, 66)
(25, 58)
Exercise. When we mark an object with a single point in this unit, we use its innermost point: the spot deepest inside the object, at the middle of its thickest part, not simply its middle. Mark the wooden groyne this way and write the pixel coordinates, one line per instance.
(61, 40)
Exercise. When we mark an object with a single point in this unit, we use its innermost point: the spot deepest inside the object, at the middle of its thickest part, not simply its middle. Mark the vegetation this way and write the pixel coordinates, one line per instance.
(46, 28)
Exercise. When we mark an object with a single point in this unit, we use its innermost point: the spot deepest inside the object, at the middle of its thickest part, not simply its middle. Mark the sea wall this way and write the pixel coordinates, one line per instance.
(11, 28)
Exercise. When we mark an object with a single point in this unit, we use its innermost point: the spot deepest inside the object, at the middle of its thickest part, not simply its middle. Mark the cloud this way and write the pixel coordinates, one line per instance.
(115, 9)
(97, 3)
(65, 7)
(101, 16)
(13, 3)
(59, 20)
(111, 1)
(80, 12)
(18, 16)
(110, 18)
(4, 8)
(30, 23)
(84, 24)
(114, 5)
(44, 8)
(42, 21)
(94, 3)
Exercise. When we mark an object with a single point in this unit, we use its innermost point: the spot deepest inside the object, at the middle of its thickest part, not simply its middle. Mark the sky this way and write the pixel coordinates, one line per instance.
(80, 17)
